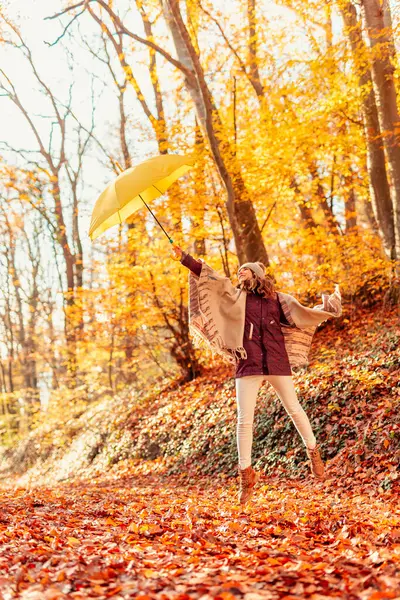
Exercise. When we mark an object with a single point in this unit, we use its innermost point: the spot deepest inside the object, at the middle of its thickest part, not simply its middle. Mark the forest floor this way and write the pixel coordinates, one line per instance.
(134, 496)
(149, 536)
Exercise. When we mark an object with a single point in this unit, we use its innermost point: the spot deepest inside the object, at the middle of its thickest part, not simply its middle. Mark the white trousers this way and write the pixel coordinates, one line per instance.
(246, 396)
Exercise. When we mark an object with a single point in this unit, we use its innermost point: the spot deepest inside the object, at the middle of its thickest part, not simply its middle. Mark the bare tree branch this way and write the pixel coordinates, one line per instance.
(126, 67)
(65, 29)
(14, 98)
(122, 29)
(225, 37)
(67, 10)
(61, 122)
(268, 216)
(256, 84)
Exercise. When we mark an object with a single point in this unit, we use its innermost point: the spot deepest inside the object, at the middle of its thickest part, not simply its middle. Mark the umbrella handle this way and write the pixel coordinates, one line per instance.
(171, 241)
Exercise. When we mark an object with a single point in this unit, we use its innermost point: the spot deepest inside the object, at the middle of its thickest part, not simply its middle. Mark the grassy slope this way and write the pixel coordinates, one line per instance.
(351, 393)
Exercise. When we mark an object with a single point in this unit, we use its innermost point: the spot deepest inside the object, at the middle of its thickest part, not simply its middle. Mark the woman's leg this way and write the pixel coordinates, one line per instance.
(246, 396)
(284, 387)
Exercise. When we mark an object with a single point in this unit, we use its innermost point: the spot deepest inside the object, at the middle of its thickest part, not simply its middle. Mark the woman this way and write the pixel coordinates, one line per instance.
(264, 333)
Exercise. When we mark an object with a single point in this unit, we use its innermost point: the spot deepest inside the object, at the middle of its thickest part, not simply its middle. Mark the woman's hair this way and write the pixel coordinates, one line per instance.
(264, 286)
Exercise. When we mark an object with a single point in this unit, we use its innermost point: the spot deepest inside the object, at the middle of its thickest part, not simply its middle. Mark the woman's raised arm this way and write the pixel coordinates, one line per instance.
(188, 261)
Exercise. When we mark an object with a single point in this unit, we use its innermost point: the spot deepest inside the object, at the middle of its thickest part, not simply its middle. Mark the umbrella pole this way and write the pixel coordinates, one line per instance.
(151, 212)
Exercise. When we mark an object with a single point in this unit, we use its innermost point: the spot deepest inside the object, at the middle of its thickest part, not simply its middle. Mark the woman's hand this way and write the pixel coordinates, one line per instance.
(176, 253)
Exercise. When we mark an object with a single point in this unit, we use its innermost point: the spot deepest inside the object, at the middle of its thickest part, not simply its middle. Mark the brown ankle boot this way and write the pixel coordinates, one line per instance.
(248, 479)
(317, 465)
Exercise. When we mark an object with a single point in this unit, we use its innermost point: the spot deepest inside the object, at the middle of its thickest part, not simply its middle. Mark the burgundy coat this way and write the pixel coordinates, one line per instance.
(263, 338)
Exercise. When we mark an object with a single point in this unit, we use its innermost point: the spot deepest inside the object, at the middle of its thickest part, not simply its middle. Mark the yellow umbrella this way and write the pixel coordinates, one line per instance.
(134, 188)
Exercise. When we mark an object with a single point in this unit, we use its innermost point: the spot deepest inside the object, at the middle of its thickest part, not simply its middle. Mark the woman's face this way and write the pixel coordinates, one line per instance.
(244, 274)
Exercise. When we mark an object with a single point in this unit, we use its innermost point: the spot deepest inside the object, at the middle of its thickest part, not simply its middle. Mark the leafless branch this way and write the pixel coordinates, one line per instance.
(21, 151)
(26, 50)
(95, 139)
(268, 216)
(67, 10)
(43, 214)
(65, 29)
(358, 122)
(225, 37)
(122, 29)
(118, 46)
(14, 98)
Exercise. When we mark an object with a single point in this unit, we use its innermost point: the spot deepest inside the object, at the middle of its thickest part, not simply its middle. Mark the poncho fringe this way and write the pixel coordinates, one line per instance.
(202, 325)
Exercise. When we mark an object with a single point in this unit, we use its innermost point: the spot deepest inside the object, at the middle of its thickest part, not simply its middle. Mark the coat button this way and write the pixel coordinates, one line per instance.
(271, 322)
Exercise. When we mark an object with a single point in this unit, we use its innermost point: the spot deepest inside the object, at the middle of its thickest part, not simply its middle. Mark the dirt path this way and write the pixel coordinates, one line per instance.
(139, 537)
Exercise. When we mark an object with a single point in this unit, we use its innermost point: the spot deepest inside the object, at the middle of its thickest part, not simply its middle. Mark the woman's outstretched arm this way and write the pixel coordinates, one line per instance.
(188, 261)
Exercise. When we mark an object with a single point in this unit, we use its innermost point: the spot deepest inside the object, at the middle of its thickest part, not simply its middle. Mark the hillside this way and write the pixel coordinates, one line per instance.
(351, 392)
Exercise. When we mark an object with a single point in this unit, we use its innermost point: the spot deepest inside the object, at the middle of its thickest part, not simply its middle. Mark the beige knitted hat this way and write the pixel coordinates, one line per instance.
(257, 268)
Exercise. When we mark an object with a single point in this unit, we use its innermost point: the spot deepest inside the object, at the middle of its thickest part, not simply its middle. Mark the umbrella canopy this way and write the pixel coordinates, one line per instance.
(135, 187)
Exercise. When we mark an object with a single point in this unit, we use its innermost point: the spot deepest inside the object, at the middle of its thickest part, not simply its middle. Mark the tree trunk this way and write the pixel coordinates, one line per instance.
(182, 349)
(350, 207)
(161, 124)
(254, 73)
(198, 210)
(388, 21)
(376, 163)
(78, 266)
(3, 387)
(370, 216)
(381, 42)
(69, 258)
(10, 373)
(122, 128)
(330, 218)
(305, 210)
(246, 231)
(31, 329)
(52, 352)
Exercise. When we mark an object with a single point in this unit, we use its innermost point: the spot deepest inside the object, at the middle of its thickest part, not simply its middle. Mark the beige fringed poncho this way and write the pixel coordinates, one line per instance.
(217, 316)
